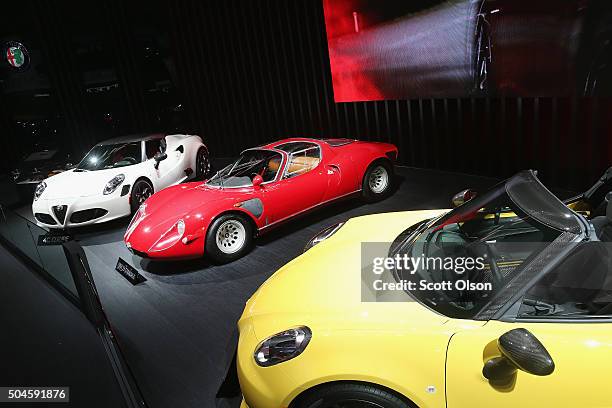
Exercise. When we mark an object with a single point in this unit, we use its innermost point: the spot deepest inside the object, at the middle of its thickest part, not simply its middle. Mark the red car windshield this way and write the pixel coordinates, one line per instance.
(265, 163)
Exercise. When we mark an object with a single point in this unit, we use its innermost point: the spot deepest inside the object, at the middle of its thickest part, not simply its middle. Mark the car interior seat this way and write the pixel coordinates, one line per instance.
(302, 164)
(603, 223)
(269, 171)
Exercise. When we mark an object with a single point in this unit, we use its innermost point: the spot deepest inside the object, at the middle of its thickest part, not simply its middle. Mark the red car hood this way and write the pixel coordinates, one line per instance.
(195, 203)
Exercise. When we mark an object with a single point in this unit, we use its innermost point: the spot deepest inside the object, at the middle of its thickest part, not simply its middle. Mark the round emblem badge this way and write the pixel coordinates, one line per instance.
(16, 55)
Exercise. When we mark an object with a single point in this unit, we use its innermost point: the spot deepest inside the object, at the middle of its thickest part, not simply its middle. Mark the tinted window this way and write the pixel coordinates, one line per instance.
(338, 142)
(303, 157)
(111, 156)
(154, 146)
(293, 147)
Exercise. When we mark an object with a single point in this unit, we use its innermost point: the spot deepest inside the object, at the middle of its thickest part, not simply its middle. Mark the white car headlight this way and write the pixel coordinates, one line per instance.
(112, 185)
(323, 235)
(40, 188)
(282, 346)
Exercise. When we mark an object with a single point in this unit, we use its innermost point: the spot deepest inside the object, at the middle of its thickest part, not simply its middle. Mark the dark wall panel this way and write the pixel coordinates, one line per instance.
(257, 71)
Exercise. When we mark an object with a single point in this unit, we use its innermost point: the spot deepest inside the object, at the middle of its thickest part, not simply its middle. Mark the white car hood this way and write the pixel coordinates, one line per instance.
(71, 184)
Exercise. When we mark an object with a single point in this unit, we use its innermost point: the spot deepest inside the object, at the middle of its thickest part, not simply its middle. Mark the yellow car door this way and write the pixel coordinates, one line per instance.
(582, 356)
(551, 347)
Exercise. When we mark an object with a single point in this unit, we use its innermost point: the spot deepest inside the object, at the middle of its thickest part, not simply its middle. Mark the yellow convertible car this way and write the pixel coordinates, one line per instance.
(318, 333)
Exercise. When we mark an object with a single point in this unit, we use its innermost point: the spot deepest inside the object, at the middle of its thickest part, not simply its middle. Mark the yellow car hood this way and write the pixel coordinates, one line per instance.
(324, 284)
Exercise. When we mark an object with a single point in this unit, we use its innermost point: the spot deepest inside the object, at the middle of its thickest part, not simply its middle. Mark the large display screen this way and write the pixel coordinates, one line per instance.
(397, 49)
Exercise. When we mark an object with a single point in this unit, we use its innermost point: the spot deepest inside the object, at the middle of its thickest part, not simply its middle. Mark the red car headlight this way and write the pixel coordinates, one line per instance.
(170, 237)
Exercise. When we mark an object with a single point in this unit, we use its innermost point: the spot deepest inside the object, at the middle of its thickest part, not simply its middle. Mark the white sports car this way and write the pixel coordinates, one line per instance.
(116, 176)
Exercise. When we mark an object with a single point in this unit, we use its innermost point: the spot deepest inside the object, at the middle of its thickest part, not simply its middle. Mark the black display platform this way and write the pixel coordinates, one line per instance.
(177, 327)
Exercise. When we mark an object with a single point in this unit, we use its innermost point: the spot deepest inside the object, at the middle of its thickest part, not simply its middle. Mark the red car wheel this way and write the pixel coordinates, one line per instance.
(229, 237)
(377, 181)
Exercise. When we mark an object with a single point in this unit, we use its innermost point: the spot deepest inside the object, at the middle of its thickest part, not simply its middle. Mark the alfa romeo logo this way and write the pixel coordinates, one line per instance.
(16, 55)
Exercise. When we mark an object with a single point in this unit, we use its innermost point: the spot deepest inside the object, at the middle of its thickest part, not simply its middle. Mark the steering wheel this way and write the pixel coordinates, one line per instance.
(127, 159)
(497, 216)
(601, 208)
(498, 278)
(477, 251)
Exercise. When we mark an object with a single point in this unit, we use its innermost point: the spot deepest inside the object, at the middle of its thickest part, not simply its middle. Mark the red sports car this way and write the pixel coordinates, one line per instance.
(265, 186)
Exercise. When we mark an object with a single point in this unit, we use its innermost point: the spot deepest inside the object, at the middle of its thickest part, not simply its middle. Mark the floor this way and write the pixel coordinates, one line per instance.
(47, 341)
(177, 328)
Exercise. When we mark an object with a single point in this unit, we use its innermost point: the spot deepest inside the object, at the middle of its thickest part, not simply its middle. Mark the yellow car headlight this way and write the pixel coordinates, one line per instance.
(323, 235)
(282, 346)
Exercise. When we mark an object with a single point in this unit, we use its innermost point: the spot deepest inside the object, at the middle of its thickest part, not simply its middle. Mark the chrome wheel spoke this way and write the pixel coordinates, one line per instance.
(142, 192)
(230, 236)
(378, 180)
(202, 164)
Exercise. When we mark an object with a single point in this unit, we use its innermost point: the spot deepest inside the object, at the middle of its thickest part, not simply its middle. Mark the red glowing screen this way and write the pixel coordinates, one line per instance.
(399, 49)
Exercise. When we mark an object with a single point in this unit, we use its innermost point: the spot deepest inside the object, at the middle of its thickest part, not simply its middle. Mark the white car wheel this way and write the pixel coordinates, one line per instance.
(202, 164)
(141, 190)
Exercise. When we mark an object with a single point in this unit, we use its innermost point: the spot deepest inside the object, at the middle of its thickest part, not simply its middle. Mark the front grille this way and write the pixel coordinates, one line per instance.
(60, 212)
(45, 218)
(78, 217)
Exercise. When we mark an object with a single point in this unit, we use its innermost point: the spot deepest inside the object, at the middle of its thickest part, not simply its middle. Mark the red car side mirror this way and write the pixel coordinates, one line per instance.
(463, 197)
(257, 180)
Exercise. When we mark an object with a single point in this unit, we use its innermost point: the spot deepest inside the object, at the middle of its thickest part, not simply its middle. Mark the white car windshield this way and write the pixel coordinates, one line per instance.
(111, 156)
(265, 163)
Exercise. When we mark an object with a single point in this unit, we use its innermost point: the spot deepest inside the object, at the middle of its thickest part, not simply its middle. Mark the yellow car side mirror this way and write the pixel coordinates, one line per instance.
(521, 350)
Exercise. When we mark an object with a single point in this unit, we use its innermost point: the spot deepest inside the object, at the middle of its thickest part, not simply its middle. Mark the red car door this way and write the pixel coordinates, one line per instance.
(302, 185)
(341, 176)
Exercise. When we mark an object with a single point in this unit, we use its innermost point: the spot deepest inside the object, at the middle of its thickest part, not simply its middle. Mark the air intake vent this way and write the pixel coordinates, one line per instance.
(45, 218)
(78, 217)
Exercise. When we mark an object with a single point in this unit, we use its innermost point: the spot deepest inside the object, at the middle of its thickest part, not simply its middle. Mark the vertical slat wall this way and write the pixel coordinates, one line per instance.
(259, 70)
(254, 71)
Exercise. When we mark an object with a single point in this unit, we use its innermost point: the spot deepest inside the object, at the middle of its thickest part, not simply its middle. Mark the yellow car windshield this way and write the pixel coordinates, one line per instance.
(503, 229)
